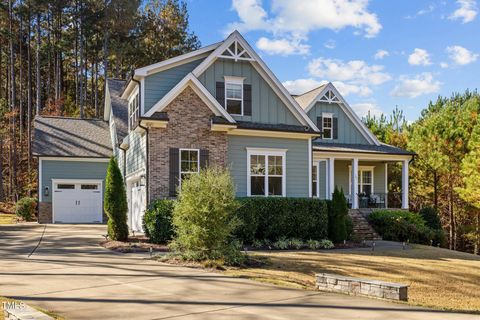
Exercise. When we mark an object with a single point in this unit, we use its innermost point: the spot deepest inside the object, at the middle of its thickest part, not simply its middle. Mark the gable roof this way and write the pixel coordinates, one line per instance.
(311, 97)
(119, 107)
(71, 137)
(359, 148)
(200, 90)
(264, 71)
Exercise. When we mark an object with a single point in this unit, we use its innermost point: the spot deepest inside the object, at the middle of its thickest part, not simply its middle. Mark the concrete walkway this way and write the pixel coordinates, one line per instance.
(70, 274)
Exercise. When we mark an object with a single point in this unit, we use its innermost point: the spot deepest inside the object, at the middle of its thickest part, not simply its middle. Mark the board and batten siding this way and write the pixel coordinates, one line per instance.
(322, 180)
(58, 169)
(136, 153)
(267, 107)
(342, 174)
(297, 177)
(347, 131)
(160, 83)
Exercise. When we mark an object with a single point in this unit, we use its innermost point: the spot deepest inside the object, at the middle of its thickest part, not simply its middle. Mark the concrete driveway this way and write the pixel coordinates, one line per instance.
(73, 276)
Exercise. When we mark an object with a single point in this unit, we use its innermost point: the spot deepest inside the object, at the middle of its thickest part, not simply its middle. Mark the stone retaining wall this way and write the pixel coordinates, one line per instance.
(356, 286)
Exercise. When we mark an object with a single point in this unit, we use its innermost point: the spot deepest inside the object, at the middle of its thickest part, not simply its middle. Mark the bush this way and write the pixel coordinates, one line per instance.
(349, 227)
(337, 215)
(405, 226)
(115, 203)
(430, 215)
(25, 208)
(323, 244)
(276, 218)
(281, 244)
(157, 221)
(204, 218)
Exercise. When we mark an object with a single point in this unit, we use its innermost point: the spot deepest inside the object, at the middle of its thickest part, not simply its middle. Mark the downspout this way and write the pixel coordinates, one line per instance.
(147, 185)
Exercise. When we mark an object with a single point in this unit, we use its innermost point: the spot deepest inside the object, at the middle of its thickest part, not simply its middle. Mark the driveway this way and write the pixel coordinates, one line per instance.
(73, 276)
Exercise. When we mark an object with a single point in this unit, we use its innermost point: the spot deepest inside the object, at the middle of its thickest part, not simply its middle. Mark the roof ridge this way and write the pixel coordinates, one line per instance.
(68, 118)
(318, 87)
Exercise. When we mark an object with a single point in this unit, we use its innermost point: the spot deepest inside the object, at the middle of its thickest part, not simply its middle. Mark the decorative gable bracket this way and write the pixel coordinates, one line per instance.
(329, 97)
(236, 52)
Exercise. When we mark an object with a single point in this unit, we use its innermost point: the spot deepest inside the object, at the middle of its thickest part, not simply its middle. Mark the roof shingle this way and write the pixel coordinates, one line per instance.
(119, 107)
(362, 148)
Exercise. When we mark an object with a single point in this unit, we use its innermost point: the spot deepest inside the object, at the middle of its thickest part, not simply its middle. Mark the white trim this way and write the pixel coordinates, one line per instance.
(331, 177)
(405, 186)
(142, 96)
(347, 110)
(74, 159)
(267, 152)
(326, 115)
(178, 60)
(310, 165)
(260, 66)
(361, 156)
(353, 183)
(386, 184)
(199, 89)
(234, 81)
(271, 133)
(180, 164)
(133, 95)
(360, 178)
(135, 175)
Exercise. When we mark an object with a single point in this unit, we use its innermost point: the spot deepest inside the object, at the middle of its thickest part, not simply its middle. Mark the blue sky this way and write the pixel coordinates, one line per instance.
(378, 53)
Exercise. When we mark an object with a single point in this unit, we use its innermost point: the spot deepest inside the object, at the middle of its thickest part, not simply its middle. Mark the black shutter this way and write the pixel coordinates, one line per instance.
(220, 93)
(320, 125)
(335, 127)
(203, 159)
(174, 171)
(247, 99)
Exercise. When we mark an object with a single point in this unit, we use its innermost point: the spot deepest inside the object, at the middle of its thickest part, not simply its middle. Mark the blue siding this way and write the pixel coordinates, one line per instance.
(267, 107)
(322, 180)
(347, 131)
(58, 169)
(136, 153)
(160, 83)
(297, 177)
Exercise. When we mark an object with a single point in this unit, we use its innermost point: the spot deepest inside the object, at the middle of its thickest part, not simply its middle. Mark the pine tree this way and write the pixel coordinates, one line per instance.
(338, 212)
(115, 202)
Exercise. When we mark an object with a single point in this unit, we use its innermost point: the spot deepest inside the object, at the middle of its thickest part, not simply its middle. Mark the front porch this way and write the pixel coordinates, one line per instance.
(363, 177)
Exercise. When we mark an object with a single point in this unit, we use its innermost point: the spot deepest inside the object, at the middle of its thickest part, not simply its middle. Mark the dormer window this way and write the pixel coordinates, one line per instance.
(133, 111)
(327, 125)
(234, 95)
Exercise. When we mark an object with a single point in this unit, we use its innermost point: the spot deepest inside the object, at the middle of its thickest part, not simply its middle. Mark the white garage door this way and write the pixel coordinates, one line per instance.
(137, 209)
(77, 201)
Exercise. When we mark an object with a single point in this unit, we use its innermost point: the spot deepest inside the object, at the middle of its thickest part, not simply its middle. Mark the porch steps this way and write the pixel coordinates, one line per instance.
(361, 228)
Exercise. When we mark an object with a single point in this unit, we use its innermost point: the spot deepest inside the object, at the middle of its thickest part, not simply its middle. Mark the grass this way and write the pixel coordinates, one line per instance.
(50, 313)
(437, 278)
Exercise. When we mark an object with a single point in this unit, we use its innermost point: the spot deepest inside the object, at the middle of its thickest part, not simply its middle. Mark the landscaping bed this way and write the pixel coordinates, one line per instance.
(134, 244)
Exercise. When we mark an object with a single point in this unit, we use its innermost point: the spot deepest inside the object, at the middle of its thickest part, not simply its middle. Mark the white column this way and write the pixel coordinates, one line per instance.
(386, 185)
(405, 184)
(354, 182)
(310, 165)
(331, 177)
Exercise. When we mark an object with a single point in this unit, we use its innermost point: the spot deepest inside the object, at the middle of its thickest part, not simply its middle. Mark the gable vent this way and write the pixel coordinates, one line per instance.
(329, 97)
(236, 52)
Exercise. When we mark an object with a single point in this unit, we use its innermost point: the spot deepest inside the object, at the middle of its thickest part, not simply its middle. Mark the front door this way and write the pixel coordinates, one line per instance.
(137, 209)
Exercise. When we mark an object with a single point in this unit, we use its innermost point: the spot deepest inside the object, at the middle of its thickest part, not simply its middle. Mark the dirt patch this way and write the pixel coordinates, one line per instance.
(134, 244)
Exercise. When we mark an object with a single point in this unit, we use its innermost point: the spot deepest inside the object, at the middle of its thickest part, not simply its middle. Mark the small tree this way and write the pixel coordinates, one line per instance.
(338, 212)
(204, 216)
(115, 203)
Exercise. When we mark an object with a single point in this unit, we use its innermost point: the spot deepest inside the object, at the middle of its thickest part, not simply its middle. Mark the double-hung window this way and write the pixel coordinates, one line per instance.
(189, 163)
(133, 111)
(314, 180)
(365, 179)
(234, 95)
(327, 124)
(266, 172)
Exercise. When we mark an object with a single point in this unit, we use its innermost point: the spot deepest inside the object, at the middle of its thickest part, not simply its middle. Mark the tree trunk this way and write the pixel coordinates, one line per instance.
(435, 189)
(20, 89)
(2, 191)
(453, 244)
(13, 168)
(29, 102)
(477, 234)
(39, 89)
(80, 84)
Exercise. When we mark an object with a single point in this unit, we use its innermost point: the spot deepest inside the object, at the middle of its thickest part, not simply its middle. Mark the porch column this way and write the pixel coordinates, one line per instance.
(331, 177)
(354, 182)
(405, 184)
(386, 185)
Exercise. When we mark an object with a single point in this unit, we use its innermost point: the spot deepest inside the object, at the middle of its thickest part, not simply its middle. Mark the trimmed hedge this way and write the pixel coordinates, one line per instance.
(405, 226)
(157, 221)
(276, 218)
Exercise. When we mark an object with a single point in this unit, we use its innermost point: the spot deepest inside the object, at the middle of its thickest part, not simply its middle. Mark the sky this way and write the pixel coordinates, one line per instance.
(379, 54)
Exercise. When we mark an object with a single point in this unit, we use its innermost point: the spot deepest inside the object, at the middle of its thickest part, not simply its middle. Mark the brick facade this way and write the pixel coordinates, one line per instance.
(45, 212)
(188, 127)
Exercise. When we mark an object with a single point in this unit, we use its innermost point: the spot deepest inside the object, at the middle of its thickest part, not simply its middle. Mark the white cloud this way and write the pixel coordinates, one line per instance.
(300, 86)
(355, 71)
(419, 57)
(346, 89)
(380, 54)
(419, 85)
(461, 55)
(284, 47)
(362, 109)
(421, 12)
(466, 12)
(443, 65)
(298, 18)
(330, 44)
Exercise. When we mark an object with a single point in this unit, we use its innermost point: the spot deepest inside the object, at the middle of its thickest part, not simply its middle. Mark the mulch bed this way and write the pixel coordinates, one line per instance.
(134, 244)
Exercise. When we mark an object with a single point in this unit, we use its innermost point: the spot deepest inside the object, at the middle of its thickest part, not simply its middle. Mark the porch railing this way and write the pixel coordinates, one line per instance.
(378, 200)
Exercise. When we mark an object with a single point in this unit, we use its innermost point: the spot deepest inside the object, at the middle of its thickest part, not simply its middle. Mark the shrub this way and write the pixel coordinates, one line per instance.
(326, 244)
(115, 203)
(203, 216)
(314, 244)
(157, 221)
(349, 227)
(295, 244)
(25, 208)
(337, 214)
(281, 244)
(275, 218)
(430, 215)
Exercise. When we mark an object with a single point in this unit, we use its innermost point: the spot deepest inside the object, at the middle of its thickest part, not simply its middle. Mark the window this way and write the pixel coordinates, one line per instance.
(327, 126)
(89, 187)
(133, 111)
(65, 186)
(266, 173)
(314, 180)
(365, 181)
(234, 95)
(189, 163)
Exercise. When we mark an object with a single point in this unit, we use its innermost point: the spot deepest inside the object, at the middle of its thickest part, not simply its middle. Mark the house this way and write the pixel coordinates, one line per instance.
(219, 105)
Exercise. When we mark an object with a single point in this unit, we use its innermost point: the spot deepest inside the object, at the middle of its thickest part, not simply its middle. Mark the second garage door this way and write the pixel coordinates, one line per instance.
(77, 201)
